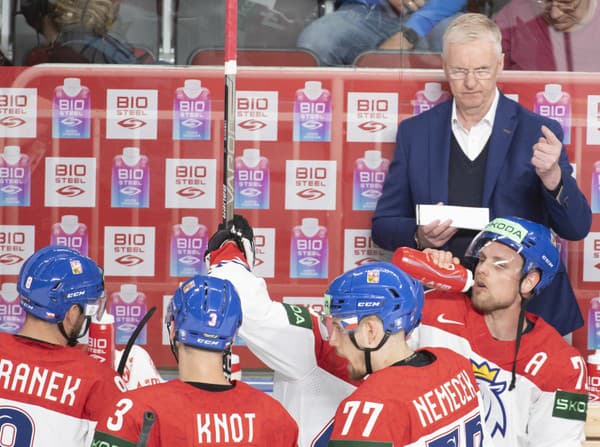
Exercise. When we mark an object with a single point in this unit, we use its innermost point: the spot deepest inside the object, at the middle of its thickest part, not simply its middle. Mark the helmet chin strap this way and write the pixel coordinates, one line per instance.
(520, 322)
(73, 337)
(368, 351)
(174, 351)
(172, 342)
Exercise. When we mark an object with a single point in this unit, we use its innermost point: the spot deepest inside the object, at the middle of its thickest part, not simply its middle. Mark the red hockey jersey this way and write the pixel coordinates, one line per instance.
(49, 394)
(431, 405)
(189, 416)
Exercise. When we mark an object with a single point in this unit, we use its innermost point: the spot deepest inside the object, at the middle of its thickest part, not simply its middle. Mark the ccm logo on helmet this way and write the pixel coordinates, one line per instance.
(75, 294)
(547, 261)
(369, 304)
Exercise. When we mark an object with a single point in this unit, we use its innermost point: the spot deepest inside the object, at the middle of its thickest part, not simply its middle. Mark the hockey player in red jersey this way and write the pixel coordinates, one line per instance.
(50, 392)
(202, 407)
(533, 383)
(309, 378)
(427, 397)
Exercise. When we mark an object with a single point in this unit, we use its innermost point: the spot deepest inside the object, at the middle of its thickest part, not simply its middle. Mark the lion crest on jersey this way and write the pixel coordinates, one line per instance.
(491, 390)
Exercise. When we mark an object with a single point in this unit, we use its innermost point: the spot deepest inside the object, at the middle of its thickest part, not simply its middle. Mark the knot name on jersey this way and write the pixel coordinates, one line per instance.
(222, 427)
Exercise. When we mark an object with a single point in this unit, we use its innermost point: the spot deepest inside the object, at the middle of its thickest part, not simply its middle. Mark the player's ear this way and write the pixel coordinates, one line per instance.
(172, 331)
(530, 281)
(71, 317)
(373, 330)
(73, 313)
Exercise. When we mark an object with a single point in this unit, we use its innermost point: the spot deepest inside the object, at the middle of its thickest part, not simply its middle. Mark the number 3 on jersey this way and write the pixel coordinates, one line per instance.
(115, 423)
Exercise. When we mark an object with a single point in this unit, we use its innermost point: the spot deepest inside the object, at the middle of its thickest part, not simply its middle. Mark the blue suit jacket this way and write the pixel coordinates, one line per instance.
(419, 174)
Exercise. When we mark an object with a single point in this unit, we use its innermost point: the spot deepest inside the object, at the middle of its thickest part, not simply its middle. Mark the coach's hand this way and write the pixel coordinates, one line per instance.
(546, 153)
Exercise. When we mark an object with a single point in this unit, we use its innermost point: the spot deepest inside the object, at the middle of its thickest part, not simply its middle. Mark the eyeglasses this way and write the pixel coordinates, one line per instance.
(566, 6)
(462, 73)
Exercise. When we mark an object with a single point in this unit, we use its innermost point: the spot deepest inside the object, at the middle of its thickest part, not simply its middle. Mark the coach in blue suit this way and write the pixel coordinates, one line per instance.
(482, 149)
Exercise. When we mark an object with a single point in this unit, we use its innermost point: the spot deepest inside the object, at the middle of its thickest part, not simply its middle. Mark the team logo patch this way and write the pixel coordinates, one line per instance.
(188, 285)
(76, 267)
(570, 405)
(491, 391)
(373, 276)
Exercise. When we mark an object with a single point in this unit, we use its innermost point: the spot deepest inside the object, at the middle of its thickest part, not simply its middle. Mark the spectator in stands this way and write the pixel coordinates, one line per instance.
(362, 25)
(77, 32)
(550, 35)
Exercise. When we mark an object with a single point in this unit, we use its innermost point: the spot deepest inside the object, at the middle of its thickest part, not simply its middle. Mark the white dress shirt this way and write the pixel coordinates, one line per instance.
(473, 141)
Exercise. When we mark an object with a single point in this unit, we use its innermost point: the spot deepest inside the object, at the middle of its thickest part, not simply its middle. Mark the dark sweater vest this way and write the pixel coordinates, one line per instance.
(465, 188)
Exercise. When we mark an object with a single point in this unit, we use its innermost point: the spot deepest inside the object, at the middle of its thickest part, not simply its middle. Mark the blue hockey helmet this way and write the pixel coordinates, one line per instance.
(54, 278)
(206, 312)
(377, 288)
(533, 241)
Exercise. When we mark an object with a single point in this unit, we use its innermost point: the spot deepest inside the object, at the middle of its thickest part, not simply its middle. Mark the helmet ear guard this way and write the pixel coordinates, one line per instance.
(533, 241)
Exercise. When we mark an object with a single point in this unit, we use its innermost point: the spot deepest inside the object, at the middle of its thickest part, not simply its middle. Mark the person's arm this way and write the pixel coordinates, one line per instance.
(434, 11)
(393, 222)
(544, 430)
(421, 21)
(139, 368)
(558, 418)
(568, 209)
(279, 334)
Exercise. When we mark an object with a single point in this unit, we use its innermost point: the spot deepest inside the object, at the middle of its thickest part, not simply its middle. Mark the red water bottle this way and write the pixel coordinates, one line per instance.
(101, 339)
(420, 265)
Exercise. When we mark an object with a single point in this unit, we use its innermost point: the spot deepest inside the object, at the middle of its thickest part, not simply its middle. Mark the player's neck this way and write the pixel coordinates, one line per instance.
(393, 351)
(502, 323)
(43, 331)
(201, 366)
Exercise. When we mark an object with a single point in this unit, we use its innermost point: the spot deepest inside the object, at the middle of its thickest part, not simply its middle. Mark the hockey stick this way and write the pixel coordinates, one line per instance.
(148, 422)
(131, 341)
(229, 107)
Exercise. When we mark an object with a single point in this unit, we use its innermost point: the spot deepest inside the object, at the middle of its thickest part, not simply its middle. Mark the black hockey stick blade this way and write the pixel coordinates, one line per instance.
(132, 339)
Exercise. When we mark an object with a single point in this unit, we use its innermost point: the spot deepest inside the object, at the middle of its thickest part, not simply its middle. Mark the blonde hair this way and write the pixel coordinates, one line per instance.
(96, 16)
(470, 27)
